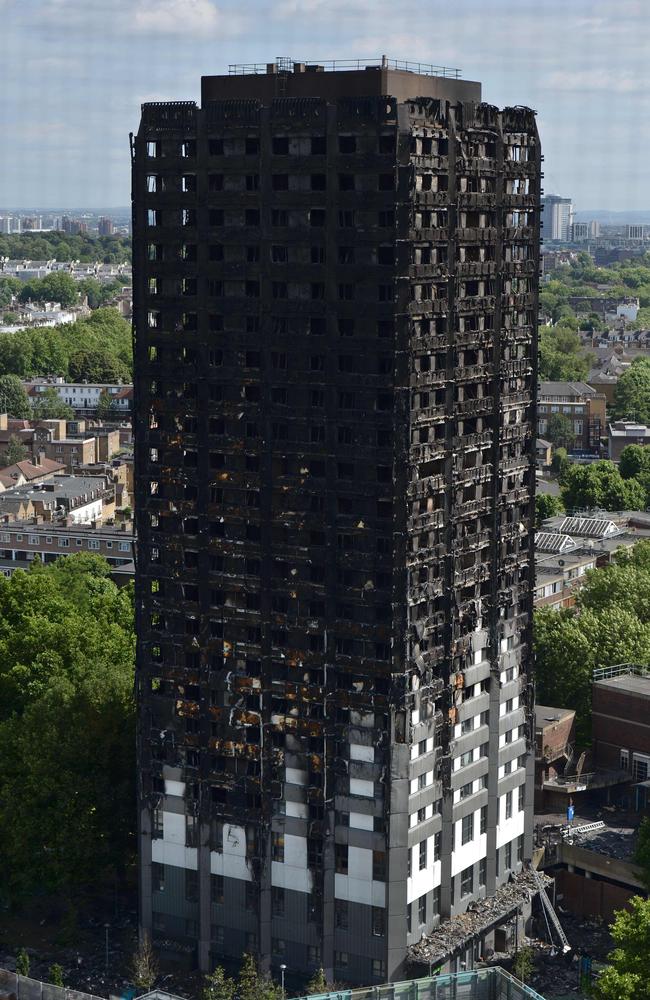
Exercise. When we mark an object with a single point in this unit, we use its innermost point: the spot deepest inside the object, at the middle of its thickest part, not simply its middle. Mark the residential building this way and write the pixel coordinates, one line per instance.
(24, 540)
(105, 226)
(557, 218)
(38, 470)
(84, 397)
(635, 232)
(580, 404)
(77, 499)
(621, 433)
(580, 232)
(621, 720)
(335, 384)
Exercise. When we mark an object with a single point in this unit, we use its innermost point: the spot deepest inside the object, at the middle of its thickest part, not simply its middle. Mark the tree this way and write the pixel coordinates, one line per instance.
(317, 983)
(610, 624)
(600, 485)
(22, 963)
(57, 286)
(9, 287)
(13, 398)
(218, 986)
(627, 977)
(55, 974)
(632, 392)
(523, 964)
(67, 728)
(642, 851)
(560, 462)
(559, 431)
(144, 964)
(252, 986)
(634, 461)
(95, 365)
(106, 409)
(48, 405)
(547, 506)
(14, 452)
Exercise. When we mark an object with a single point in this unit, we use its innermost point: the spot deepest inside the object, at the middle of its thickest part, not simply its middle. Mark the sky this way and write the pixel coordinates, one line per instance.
(73, 74)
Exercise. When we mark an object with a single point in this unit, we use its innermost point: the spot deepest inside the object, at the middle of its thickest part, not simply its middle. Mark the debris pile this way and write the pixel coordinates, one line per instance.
(481, 916)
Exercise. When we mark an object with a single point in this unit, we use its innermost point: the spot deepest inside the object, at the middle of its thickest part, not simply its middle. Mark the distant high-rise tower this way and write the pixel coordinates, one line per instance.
(105, 226)
(557, 218)
(335, 300)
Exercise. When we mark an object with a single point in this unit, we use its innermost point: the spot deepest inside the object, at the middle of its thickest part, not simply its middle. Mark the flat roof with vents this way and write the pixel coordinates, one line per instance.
(552, 541)
(589, 527)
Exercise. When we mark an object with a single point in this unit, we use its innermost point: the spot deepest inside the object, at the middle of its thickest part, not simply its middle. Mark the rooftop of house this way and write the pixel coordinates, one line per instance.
(58, 488)
(29, 470)
(629, 683)
(573, 389)
(547, 716)
(628, 428)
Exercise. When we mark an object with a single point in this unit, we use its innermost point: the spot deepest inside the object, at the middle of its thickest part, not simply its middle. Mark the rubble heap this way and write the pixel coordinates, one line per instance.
(481, 916)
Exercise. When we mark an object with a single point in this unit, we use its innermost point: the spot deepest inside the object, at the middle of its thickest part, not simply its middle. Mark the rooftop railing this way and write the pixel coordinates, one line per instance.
(283, 64)
(480, 984)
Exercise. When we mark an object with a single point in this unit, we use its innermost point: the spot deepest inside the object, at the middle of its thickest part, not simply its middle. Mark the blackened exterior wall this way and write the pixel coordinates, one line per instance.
(335, 338)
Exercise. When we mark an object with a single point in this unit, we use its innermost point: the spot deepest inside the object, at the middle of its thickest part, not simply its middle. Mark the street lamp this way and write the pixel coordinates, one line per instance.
(282, 971)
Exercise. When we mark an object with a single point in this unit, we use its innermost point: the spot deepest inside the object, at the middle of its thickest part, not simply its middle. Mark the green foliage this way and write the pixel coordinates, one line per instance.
(632, 392)
(317, 983)
(561, 354)
(13, 398)
(560, 462)
(559, 431)
(144, 964)
(58, 286)
(14, 452)
(96, 365)
(49, 406)
(628, 975)
(67, 727)
(252, 986)
(63, 246)
(9, 286)
(524, 964)
(218, 986)
(55, 974)
(601, 485)
(642, 851)
(547, 506)
(50, 350)
(610, 624)
(634, 460)
(22, 963)
(97, 292)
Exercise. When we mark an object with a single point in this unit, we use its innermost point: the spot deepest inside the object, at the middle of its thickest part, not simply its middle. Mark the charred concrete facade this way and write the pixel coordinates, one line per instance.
(335, 306)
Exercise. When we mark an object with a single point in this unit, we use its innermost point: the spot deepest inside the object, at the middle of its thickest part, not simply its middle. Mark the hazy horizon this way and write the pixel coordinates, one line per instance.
(75, 73)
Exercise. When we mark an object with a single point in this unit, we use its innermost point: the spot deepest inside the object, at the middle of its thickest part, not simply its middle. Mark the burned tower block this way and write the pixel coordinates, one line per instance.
(335, 301)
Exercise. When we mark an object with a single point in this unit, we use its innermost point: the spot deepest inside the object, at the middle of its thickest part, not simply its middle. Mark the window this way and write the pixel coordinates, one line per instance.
(157, 877)
(278, 946)
(313, 954)
(379, 866)
(157, 824)
(277, 846)
(466, 790)
(341, 914)
(378, 921)
(341, 959)
(520, 849)
(483, 828)
(482, 872)
(522, 798)
(508, 855)
(423, 854)
(467, 881)
(378, 968)
(508, 805)
(191, 885)
(216, 888)
(625, 760)
(467, 828)
(422, 909)
(341, 859)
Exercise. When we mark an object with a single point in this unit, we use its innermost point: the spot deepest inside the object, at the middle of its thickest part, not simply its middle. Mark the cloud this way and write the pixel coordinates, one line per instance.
(184, 17)
(591, 80)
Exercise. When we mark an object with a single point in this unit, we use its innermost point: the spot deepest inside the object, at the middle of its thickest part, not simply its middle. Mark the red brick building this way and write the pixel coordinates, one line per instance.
(621, 726)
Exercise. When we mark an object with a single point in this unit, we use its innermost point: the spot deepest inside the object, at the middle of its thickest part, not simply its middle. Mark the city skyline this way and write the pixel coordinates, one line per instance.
(75, 76)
